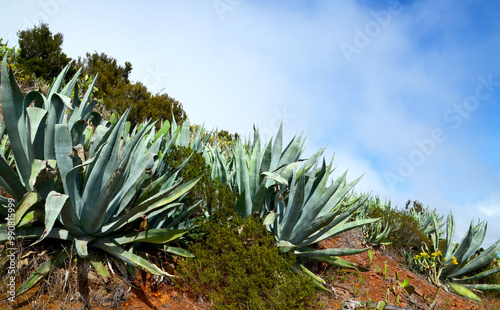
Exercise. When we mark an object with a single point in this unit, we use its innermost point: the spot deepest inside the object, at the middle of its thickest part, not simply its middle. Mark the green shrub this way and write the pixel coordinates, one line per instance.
(211, 193)
(405, 231)
(237, 266)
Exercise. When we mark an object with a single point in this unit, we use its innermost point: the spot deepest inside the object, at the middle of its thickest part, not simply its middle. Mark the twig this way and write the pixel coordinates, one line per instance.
(434, 301)
(374, 304)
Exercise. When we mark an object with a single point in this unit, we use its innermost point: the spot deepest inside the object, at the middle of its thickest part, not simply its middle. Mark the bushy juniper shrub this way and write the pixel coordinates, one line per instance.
(211, 193)
(405, 231)
(237, 266)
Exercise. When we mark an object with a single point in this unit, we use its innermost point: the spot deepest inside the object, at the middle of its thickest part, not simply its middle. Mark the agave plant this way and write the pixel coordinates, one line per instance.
(29, 124)
(377, 232)
(426, 217)
(221, 163)
(307, 211)
(99, 186)
(465, 257)
(292, 193)
(251, 163)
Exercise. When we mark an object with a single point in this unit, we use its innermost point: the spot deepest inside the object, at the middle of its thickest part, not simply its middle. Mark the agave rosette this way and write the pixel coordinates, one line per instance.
(91, 183)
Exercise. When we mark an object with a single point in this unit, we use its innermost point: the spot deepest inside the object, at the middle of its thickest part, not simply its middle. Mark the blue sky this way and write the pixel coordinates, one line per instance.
(405, 92)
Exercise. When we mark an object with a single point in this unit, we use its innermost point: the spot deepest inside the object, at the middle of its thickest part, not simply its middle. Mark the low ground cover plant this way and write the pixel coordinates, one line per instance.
(237, 266)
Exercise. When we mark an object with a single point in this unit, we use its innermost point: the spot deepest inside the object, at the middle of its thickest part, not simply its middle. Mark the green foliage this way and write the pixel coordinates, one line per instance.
(41, 52)
(211, 193)
(41, 56)
(237, 266)
(4, 49)
(119, 94)
(110, 73)
(403, 230)
(27, 82)
(143, 104)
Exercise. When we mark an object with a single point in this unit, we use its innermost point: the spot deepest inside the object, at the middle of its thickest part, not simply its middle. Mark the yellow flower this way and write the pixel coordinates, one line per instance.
(438, 253)
(454, 260)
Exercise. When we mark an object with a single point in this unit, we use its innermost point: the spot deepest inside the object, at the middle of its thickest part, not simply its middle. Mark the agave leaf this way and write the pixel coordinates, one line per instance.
(25, 204)
(309, 222)
(481, 260)
(179, 219)
(178, 251)
(68, 88)
(160, 236)
(58, 82)
(100, 268)
(265, 165)
(54, 116)
(133, 164)
(101, 134)
(292, 151)
(69, 174)
(36, 168)
(184, 135)
(149, 205)
(36, 232)
(276, 177)
(36, 122)
(14, 119)
(196, 142)
(86, 107)
(294, 211)
(10, 181)
(104, 206)
(304, 252)
(309, 273)
(338, 262)
(463, 291)
(483, 287)
(468, 242)
(243, 180)
(53, 206)
(131, 258)
(95, 180)
(30, 217)
(450, 232)
(285, 246)
(477, 240)
(163, 130)
(253, 171)
(36, 97)
(81, 245)
(335, 230)
(318, 282)
(277, 148)
(479, 275)
(78, 133)
(270, 218)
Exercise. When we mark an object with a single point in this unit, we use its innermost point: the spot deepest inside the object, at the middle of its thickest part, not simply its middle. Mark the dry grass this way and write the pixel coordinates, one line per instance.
(59, 290)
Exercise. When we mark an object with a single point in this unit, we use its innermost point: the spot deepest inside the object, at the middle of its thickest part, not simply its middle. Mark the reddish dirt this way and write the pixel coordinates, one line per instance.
(373, 285)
